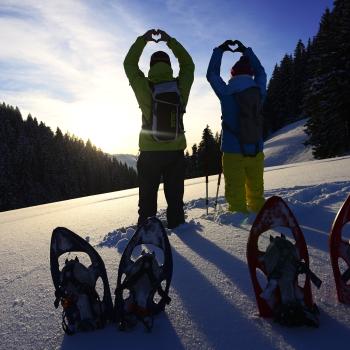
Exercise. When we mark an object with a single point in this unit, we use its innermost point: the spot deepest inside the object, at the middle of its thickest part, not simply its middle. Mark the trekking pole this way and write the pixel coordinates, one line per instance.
(217, 191)
(206, 168)
(220, 172)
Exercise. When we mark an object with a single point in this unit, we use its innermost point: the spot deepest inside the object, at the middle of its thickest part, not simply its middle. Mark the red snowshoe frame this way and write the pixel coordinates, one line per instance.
(274, 213)
(337, 248)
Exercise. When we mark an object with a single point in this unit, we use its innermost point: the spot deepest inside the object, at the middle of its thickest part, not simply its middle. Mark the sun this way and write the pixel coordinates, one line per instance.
(111, 127)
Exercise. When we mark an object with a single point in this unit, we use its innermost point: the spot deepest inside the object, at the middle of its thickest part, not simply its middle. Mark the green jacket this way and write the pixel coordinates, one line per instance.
(158, 72)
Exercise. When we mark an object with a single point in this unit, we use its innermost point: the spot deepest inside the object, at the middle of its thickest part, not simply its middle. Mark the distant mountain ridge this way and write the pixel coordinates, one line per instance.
(285, 146)
(129, 159)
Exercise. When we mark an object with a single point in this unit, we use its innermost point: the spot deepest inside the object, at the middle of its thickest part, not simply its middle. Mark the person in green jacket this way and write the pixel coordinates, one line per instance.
(160, 159)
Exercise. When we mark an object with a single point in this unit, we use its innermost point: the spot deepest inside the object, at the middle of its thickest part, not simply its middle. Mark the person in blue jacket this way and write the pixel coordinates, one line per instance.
(243, 157)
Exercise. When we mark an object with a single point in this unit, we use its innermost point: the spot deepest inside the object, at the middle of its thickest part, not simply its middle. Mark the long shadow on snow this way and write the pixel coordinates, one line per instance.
(223, 324)
(330, 334)
(300, 338)
(163, 336)
(232, 267)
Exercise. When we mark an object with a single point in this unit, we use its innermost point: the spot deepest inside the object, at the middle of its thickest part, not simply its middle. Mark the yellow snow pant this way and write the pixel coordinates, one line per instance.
(244, 182)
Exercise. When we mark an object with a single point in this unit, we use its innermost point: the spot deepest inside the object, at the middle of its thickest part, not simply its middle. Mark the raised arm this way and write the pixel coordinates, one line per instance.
(136, 77)
(259, 71)
(213, 72)
(186, 73)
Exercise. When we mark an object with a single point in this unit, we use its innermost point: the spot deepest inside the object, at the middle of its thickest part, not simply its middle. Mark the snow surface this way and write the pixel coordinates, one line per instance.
(213, 305)
(286, 145)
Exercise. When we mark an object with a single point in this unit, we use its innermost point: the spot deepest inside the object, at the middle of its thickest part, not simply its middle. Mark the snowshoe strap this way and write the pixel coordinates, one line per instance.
(130, 281)
(65, 325)
(346, 276)
(164, 295)
(303, 268)
(145, 315)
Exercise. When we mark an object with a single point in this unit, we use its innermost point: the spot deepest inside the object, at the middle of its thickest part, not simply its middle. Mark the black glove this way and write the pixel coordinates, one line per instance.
(241, 48)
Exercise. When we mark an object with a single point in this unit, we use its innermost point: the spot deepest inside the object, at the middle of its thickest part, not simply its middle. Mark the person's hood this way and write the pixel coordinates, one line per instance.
(160, 72)
(240, 83)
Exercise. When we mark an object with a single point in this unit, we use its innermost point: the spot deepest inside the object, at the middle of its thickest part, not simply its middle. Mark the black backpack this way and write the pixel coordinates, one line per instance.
(250, 120)
(167, 112)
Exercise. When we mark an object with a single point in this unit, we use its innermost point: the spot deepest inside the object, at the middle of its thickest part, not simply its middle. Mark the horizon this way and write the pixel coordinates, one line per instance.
(62, 61)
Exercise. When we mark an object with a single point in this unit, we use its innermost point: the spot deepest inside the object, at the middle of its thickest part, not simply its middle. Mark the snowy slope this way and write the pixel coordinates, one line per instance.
(213, 306)
(286, 145)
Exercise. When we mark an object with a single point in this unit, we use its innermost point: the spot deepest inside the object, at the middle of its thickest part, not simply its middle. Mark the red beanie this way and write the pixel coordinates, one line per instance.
(242, 67)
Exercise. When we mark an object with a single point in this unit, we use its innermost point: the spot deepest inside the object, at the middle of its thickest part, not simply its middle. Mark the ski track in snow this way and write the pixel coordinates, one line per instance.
(213, 305)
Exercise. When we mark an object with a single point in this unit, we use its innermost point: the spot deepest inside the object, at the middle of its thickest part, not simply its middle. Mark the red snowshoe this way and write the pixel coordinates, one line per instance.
(291, 259)
(340, 249)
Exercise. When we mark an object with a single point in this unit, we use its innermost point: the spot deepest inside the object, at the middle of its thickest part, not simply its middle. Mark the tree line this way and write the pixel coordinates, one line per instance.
(39, 166)
(206, 156)
(314, 83)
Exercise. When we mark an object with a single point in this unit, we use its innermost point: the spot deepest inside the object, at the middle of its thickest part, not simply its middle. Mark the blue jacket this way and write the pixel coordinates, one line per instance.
(229, 107)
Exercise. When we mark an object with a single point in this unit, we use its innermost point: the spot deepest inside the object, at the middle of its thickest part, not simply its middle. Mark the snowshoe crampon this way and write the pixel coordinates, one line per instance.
(143, 282)
(75, 284)
(340, 250)
(283, 298)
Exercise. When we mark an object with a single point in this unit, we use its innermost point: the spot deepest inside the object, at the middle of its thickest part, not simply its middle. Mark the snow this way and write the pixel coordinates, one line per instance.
(286, 145)
(213, 305)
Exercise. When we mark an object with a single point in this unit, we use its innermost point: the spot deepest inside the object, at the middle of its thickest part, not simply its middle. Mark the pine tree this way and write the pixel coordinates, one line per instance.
(299, 78)
(326, 101)
(272, 105)
(208, 162)
(38, 166)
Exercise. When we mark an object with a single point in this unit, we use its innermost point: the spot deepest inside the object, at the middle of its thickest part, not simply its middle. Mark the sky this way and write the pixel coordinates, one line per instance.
(62, 61)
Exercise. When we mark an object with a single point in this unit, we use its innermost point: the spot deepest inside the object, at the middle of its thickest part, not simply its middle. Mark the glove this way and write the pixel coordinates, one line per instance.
(241, 48)
(225, 45)
(148, 36)
(163, 36)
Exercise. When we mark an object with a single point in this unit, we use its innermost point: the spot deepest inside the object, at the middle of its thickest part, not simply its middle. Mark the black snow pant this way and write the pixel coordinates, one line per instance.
(152, 166)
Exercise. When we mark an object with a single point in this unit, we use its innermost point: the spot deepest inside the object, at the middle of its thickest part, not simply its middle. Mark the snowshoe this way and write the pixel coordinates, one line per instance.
(340, 249)
(283, 298)
(143, 283)
(75, 284)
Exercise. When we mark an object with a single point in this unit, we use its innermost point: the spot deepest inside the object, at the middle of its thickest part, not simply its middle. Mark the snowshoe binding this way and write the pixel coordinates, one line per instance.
(75, 284)
(340, 249)
(283, 298)
(143, 283)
